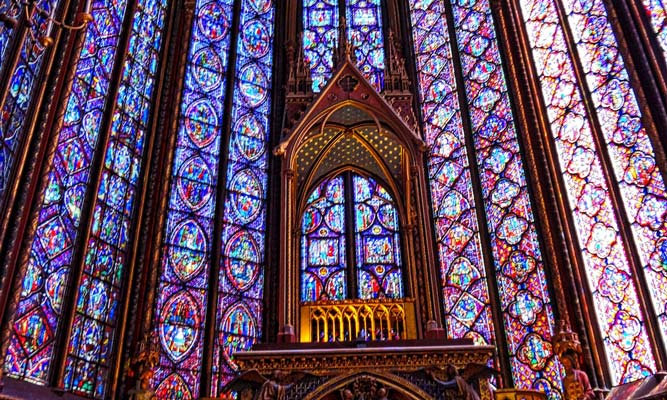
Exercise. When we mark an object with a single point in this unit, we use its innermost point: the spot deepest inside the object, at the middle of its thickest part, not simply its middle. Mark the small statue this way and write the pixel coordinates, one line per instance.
(454, 380)
(141, 367)
(577, 385)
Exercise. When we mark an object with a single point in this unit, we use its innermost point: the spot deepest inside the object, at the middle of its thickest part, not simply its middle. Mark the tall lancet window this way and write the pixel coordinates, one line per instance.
(24, 76)
(481, 156)
(609, 171)
(363, 29)
(656, 10)
(212, 266)
(78, 256)
(340, 208)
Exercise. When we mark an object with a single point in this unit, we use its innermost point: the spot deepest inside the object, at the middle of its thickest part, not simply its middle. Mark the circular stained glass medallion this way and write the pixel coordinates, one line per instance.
(237, 331)
(249, 137)
(212, 21)
(246, 195)
(242, 260)
(207, 68)
(253, 84)
(178, 329)
(201, 122)
(256, 39)
(188, 249)
(194, 182)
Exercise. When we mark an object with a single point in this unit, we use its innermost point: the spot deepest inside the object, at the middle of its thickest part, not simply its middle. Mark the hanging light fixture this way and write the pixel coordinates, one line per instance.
(32, 10)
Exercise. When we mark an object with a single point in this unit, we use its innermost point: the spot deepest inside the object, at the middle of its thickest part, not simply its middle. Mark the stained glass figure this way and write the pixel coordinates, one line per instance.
(608, 270)
(364, 31)
(241, 270)
(180, 312)
(320, 33)
(39, 309)
(323, 256)
(377, 241)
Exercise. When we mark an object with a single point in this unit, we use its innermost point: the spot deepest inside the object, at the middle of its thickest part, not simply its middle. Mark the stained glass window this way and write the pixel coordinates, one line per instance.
(97, 304)
(323, 257)
(22, 85)
(377, 241)
(39, 309)
(11, 10)
(241, 270)
(465, 292)
(364, 31)
(325, 226)
(186, 258)
(632, 159)
(320, 32)
(657, 12)
(524, 297)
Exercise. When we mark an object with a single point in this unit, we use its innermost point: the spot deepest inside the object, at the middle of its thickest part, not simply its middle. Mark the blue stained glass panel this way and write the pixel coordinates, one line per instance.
(239, 307)
(323, 248)
(39, 310)
(320, 33)
(364, 31)
(186, 250)
(22, 87)
(377, 240)
(93, 332)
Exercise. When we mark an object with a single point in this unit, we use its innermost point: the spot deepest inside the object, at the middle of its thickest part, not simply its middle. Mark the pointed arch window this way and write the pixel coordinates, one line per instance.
(350, 208)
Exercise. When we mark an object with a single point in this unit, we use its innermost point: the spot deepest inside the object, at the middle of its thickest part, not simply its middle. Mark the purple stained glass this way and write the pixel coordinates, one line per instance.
(377, 241)
(11, 10)
(239, 307)
(656, 10)
(465, 291)
(320, 33)
(364, 31)
(632, 157)
(186, 250)
(608, 271)
(88, 362)
(323, 255)
(14, 111)
(39, 309)
(524, 300)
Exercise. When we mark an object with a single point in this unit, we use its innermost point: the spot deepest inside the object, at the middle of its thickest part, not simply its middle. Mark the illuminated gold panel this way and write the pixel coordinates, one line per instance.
(345, 320)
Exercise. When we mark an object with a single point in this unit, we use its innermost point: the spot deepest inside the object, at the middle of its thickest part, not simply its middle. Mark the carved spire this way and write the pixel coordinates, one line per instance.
(397, 84)
(397, 77)
(299, 80)
(343, 50)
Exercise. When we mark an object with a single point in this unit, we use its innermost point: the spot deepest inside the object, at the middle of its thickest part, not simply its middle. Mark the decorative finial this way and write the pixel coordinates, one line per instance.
(565, 340)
